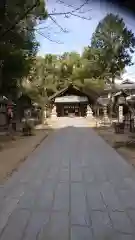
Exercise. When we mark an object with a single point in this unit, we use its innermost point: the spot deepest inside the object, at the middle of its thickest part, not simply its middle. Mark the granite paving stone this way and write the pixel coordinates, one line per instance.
(58, 227)
(94, 197)
(110, 197)
(81, 233)
(45, 196)
(16, 225)
(127, 198)
(101, 225)
(61, 199)
(79, 211)
(64, 175)
(37, 221)
(122, 223)
(131, 214)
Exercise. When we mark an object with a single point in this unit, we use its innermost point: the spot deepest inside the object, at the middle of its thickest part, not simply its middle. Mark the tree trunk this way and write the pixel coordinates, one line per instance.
(112, 89)
(113, 81)
(42, 115)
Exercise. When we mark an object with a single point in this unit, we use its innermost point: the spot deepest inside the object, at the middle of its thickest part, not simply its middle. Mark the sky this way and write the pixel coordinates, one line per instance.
(79, 30)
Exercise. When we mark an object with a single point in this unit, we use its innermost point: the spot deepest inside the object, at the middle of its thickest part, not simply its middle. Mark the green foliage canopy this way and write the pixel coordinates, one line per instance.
(18, 46)
(116, 44)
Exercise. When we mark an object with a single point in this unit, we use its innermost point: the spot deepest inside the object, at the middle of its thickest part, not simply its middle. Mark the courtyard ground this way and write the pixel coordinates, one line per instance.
(13, 151)
(124, 144)
(74, 186)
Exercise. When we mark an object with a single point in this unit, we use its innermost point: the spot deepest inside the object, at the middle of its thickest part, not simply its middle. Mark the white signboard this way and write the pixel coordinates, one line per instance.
(71, 99)
(120, 113)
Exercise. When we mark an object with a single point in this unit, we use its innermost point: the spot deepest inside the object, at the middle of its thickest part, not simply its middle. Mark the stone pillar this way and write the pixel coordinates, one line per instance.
(106, 119)
(54, 113)
(45, 113)
(89, 112)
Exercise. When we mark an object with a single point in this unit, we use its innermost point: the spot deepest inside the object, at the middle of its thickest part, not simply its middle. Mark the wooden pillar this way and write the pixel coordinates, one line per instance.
(62, 110)
(97, 111)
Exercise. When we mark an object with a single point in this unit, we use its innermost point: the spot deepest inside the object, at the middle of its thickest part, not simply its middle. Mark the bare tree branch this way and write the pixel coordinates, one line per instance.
(58, 25)
(69, 12)
(41, 28)
(82, 17)
(48, 37)
(71, 6)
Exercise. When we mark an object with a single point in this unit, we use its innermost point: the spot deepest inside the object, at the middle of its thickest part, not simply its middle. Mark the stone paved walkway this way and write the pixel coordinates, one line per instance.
(74, 186)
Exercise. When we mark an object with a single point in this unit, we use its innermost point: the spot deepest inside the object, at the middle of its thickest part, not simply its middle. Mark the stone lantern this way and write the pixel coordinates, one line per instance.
(103, 101)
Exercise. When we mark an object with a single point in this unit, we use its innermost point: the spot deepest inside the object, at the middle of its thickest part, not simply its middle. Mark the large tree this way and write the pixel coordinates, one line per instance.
(116, 44)
(18, 45)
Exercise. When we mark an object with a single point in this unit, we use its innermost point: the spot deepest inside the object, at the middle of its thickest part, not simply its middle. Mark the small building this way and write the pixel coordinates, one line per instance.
(72, 101)
(5, 105)
(3, 111)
